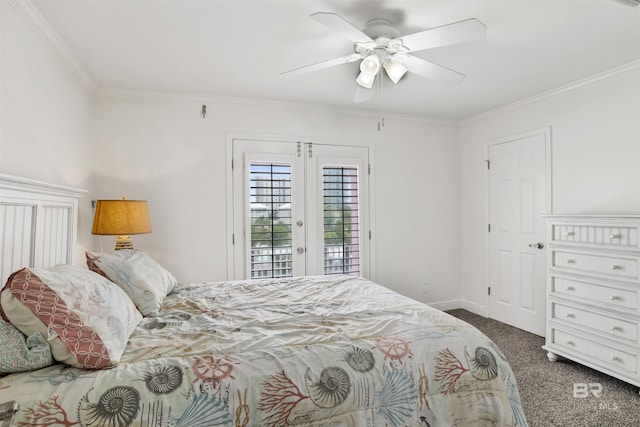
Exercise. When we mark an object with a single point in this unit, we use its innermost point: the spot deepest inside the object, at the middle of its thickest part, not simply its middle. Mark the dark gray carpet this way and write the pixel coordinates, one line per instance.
(547, 389)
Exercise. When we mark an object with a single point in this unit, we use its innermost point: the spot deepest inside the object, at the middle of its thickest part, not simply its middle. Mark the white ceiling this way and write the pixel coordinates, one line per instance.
(238, 48)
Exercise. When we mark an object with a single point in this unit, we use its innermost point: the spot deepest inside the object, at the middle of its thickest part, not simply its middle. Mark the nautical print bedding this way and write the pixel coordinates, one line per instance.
(310, 351)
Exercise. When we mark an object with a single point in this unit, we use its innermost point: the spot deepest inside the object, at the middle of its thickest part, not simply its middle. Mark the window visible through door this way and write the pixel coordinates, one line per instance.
(299, 209)
(270, 207)
(341, 220)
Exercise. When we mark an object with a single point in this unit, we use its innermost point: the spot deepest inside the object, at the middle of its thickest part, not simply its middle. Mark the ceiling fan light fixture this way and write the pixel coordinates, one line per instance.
(370, 65)
(380, 44)
(369, 68)
(366, 80)
(394, 68)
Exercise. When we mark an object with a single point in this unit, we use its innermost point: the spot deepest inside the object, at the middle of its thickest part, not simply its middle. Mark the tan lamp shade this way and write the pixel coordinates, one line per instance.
(121, 218)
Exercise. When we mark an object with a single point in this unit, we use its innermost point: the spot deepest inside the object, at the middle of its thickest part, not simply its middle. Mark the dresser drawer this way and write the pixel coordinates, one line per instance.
(615, 235)
(579, 317)
(593, 292)
(624, 267)
(614, 359)
(616, 296)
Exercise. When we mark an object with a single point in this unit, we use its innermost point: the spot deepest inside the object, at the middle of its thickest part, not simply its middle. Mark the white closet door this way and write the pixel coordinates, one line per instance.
(517, 260)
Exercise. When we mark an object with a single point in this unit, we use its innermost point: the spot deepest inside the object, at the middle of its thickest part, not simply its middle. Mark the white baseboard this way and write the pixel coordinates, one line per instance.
(446, 305)
(473, 307)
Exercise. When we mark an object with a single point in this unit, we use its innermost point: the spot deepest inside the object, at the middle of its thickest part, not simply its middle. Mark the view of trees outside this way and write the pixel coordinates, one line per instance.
(270, 231)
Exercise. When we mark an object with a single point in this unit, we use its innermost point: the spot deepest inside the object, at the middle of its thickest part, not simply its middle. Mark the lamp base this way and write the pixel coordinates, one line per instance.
(123, 242)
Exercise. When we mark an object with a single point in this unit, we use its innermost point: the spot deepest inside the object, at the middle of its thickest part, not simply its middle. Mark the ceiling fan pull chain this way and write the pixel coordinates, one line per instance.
(381, 84)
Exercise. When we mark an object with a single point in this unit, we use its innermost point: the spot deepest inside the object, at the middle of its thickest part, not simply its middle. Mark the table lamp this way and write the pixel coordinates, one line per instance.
(121, 218)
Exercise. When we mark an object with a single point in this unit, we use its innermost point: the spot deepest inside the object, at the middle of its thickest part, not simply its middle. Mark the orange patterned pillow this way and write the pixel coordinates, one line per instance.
(86, 319)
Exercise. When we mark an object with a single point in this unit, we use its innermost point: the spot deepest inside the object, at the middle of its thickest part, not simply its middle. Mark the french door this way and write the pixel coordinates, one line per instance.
(299, 209)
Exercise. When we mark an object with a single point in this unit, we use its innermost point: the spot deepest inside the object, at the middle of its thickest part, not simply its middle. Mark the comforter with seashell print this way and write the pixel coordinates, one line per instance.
(307, 351)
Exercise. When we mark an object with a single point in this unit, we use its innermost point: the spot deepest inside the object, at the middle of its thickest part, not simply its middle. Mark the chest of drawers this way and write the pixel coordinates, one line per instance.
(593, 292)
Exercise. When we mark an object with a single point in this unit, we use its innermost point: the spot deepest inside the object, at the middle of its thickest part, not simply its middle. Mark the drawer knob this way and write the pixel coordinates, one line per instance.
(614, 236)
(616, 267)
(614, 298)
(569, 342)
(568, 233)
(570, 288)
(571, 315)
(616, 359)
(571, 261)
(616, 328)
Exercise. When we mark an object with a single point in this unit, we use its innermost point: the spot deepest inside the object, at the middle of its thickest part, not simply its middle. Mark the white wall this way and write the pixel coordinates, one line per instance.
(429, 175)
(160, 149)
(595, 149)
(46, 124)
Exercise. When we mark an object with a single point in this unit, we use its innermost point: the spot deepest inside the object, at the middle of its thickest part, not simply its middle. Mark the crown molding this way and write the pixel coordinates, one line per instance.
(137, 94)
(203, 97)
(32, 16)
(555, 92)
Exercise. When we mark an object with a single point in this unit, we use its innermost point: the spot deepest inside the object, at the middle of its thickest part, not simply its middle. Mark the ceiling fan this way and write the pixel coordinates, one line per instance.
(380, 45)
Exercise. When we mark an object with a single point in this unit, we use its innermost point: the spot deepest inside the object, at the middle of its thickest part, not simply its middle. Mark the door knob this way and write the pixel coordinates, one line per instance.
(300, 250)
(538, 245)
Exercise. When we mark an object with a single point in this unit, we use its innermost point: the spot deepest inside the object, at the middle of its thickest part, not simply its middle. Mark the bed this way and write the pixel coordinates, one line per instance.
(140, 349)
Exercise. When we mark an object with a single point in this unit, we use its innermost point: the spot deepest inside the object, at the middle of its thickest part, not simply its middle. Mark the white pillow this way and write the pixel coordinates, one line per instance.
(143, 279)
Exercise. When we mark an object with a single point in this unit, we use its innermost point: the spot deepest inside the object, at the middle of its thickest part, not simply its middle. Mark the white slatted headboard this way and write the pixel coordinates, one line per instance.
(38, 224)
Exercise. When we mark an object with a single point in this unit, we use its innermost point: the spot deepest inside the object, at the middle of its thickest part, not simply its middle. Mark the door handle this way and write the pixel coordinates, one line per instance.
(538, 245)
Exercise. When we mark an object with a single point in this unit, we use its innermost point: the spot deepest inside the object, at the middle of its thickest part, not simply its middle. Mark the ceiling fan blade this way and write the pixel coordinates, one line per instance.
(338, 23)
(458, 32)
(432, 71)
(321, 65)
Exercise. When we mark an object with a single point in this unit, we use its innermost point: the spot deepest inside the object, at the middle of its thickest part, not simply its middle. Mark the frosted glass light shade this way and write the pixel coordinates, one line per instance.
(394, 68)
(368, 69)
(370, 65)
(365, 80)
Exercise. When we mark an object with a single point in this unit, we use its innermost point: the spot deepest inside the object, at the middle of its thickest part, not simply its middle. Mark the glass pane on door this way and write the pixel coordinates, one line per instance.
(270, 213)
(341, 220)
